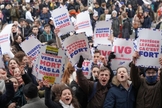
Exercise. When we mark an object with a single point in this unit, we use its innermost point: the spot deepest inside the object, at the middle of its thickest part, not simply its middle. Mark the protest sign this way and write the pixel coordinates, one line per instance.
(102, 32)
(83, 23)
(50, 64)
(62, 20)
(150, 47)
(75, 46)
(31, 47)
(123, 50)
(108, 16)
(5, 39)
(105, 50)
(86, 68)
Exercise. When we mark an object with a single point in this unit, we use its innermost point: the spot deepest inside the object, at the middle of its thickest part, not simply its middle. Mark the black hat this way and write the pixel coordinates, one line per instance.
(156, 69)
(30, 90)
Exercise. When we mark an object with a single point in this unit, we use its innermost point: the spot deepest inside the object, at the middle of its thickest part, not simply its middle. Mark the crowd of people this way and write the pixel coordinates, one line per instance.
(19, 88)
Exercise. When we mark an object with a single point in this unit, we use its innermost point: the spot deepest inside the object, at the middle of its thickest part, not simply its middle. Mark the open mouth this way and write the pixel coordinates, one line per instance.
(67, 99)
(122, 76)
(103, 80)
(13, 67)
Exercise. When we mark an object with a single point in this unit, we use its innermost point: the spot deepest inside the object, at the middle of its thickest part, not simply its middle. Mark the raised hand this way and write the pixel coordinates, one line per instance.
(81, 60)
(135, 57)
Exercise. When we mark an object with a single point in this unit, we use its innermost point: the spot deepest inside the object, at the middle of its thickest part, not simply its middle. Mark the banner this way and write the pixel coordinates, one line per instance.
(102, 32)
(31, 47)
(150, 47)
(83, 23)
(62, 20)
(75, 46)
(124, 51)
(105, 50)
(50, 64)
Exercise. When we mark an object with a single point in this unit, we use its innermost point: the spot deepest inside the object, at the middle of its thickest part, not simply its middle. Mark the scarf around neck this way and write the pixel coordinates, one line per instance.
(48, 36)
(64, 105)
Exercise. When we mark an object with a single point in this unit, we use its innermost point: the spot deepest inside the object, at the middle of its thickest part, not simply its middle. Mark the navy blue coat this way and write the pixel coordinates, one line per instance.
(45, 17)
(119, 97)
(147, 22)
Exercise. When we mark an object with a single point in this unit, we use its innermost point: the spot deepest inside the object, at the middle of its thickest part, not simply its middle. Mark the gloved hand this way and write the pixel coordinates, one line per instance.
(79, 65)
(111, 56)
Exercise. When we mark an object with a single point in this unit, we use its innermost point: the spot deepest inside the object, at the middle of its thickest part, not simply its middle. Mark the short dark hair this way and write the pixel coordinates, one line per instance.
(34, 27)
(95, 66)
(46, 25)
(21, 20)
(30, 90)
(96, 51)
(16, 37)
(19, 55)
(103, 68)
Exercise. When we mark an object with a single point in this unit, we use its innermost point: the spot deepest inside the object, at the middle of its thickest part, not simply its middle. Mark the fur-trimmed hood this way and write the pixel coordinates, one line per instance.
(117, 83)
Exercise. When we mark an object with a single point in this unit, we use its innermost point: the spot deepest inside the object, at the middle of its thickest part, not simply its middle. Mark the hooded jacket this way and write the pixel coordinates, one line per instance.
(148, 96)
(119, 97)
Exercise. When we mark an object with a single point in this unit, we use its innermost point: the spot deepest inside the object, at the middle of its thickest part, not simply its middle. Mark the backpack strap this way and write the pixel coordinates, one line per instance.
(93, 91)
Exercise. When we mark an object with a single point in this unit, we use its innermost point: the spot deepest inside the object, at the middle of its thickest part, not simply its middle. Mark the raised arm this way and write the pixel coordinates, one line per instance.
(9, 94)
(26, 78)
(134, 73)
(83, 82)
(48, 101)
(58, 41)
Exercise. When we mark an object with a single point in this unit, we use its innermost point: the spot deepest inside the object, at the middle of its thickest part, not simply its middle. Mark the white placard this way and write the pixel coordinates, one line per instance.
(149, 45)
(83, 22)
(107, 17)
(75, 46)
(105, 50)
(62, 20)
(123, 50)
(5, 39)
(31, 47)
(102, 32)
(50, 64)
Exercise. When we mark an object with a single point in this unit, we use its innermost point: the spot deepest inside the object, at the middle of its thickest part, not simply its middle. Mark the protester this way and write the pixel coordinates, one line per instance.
(47, 34)
(138, 20)
(147, 20)
(19, 100)
(103, 16)
(12, 64)
(95, 72)
(17, 40)
(126, 26)
(148, 87)
(122, 93)
(31, 93)
(97, 99)
(65, 99)
(6, 90)
(115, 24)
